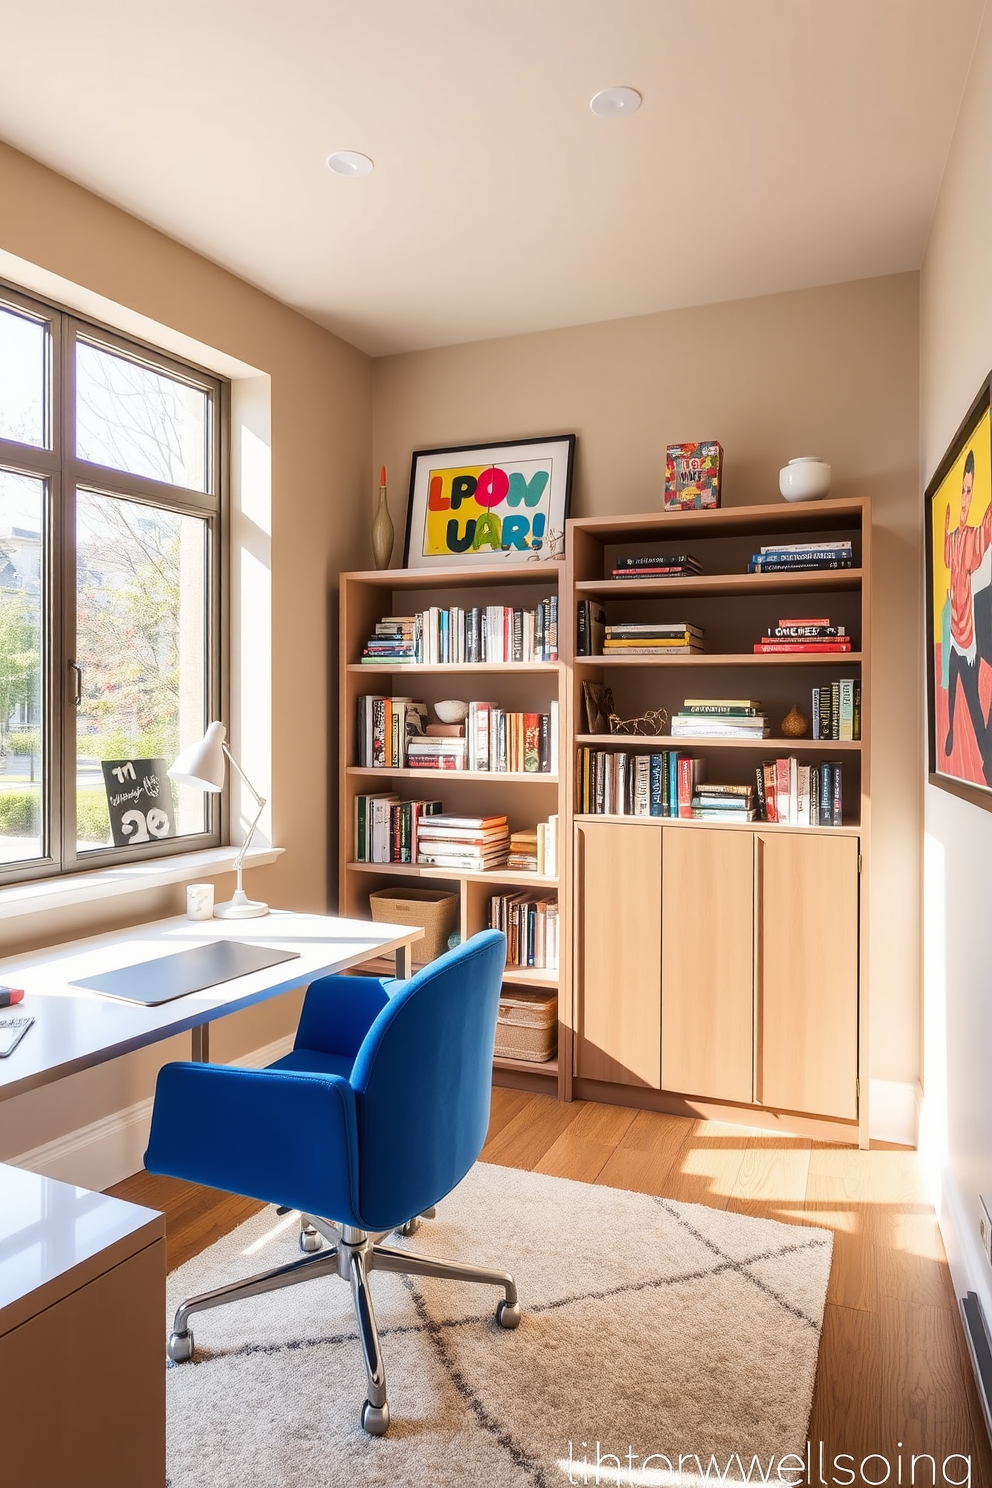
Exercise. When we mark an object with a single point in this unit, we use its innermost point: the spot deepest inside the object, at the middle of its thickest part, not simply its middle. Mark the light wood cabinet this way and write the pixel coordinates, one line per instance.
(618, 953)
(707, 956)
(807, 981)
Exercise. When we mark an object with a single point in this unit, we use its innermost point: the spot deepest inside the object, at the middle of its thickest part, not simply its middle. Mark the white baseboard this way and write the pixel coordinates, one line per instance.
(970, 1270)
(894, 1111)
(111, 1149)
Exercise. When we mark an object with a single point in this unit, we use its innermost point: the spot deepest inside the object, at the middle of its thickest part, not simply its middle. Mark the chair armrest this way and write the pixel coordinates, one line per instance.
(280, 1136)
(338, 1012)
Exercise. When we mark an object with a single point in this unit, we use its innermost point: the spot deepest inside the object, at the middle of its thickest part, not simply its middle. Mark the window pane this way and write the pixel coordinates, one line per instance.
(23, 378)
(135, 419)
(141, 597)
(22, 538)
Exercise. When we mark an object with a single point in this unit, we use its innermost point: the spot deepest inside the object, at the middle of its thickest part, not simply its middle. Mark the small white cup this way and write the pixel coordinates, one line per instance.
(199, 901)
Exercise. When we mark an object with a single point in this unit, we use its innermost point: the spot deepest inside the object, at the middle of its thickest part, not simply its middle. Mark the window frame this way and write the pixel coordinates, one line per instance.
(63, 472)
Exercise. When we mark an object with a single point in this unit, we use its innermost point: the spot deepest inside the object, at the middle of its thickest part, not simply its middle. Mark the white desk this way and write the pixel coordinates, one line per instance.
(82, 1301)
(76, 1029)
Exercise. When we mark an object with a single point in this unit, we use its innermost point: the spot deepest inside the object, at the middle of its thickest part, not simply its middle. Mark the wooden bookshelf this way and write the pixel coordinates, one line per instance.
(703, 980)
(672, 1010)
(526, 797)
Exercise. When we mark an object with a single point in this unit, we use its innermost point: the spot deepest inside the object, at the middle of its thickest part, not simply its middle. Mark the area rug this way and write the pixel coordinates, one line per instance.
(652, 1332)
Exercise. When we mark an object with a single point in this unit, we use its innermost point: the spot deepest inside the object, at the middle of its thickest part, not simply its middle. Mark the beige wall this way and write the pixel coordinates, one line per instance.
(321, 411)
(830, 371)
(956, 354)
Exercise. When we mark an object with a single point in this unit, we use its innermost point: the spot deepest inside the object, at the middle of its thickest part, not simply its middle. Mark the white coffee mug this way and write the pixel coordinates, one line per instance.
(199, 901)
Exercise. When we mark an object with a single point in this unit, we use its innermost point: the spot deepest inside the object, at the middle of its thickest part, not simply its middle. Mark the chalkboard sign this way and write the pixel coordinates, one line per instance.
(139, 796)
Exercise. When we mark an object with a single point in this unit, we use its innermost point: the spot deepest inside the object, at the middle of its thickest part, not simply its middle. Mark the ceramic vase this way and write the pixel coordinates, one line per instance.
(382, 532)
(805, 479)
(795, 724)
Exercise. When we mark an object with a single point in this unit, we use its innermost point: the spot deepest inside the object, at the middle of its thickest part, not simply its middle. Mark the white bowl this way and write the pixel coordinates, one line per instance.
(451, 711)
(804, 479)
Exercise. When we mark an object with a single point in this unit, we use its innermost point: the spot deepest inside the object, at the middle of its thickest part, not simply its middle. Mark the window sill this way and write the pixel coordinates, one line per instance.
(110, 883)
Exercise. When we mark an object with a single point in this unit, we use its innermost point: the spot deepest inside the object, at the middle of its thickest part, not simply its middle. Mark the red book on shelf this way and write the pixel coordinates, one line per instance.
(776, 647)
(689, 772)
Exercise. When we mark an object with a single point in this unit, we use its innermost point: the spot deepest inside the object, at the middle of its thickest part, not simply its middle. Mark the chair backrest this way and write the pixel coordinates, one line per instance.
(422, 1081)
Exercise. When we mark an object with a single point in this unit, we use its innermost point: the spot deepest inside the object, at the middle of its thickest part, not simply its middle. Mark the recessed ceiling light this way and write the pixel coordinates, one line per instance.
(615, 103)
(350, 163)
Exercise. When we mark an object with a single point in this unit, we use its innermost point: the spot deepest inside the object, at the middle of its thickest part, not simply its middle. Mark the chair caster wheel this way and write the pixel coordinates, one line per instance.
(180, 1347)
(508, 1314)
(411, 1227)
(310, 1241)
(375, 1418)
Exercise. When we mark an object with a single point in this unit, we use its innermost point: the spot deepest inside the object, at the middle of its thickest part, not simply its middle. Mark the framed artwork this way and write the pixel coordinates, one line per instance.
(483, 503)
(958, 535)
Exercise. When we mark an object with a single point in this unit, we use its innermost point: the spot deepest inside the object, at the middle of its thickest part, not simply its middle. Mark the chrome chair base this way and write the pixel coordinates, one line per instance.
(353, 1255)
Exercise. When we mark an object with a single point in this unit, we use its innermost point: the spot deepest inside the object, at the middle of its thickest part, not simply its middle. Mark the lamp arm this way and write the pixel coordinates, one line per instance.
(258, 814)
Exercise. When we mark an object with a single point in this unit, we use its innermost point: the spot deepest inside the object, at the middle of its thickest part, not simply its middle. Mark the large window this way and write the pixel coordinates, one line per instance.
(110, 510)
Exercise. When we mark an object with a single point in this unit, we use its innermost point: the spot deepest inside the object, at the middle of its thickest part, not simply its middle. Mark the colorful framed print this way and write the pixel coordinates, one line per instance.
(485, 504)
(958, 535)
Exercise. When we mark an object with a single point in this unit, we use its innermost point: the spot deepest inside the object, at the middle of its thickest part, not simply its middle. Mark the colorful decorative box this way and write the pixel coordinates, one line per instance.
(692, 476)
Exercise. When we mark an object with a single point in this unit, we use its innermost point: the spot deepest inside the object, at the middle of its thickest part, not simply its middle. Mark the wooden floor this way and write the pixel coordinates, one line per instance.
(893, 1374)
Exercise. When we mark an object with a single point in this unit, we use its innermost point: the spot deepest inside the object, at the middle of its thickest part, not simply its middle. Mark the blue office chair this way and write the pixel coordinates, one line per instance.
(379, 1111)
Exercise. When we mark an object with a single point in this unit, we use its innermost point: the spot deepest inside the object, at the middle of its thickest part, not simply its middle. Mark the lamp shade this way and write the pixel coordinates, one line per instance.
(202, 764)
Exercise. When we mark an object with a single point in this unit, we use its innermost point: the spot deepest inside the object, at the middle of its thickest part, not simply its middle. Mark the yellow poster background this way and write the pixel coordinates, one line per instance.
(947, 503)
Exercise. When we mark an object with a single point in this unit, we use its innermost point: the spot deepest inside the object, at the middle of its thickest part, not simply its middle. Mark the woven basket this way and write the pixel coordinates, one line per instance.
(527, 1026)
(433, 909)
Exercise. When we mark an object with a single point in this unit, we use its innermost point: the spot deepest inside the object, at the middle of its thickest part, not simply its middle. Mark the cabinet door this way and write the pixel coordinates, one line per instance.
(618, 953)
(707, 963)
(808, 973)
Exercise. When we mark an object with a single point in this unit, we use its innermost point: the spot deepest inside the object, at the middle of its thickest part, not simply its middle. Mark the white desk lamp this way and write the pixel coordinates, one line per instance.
(202, 766)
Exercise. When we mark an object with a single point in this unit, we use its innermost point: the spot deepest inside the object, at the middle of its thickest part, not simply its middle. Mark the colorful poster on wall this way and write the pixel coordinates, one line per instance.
(959, 611)
(484, 504)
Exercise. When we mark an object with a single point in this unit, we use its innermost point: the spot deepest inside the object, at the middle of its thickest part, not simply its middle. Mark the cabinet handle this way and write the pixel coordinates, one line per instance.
(77, 696)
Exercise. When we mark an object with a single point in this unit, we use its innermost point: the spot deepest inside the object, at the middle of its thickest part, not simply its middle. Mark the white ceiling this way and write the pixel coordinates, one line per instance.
(780, 144)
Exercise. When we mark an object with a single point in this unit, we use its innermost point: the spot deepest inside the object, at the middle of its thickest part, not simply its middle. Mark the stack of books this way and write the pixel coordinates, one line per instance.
(723, 803)
(801, 557)
(434, 752)
(803, 635)
(535, 849)
(394, 641)
(531, 929)
(386, 828)
(720, 718)
(512, 742)
(386, 728)
(470, 843)
(837, 709)
(622, 784)
(457, 636)
(654, 639)
(800, 795)
(656, 566)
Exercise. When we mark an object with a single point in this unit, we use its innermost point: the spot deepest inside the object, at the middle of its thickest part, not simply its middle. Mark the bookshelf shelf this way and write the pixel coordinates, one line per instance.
(526, 1066)
(507, 777)
(516, 878)
(647, 743)
(466, 577)
(726, 659)
(529, 976)
(731, 585)
(682, 822)
(421, 669)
